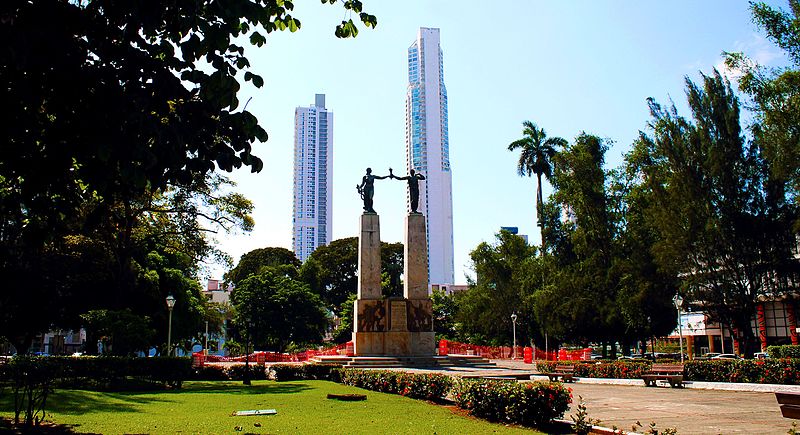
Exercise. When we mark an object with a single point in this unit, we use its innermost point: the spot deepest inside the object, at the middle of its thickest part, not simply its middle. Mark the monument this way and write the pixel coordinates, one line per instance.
(392, 326)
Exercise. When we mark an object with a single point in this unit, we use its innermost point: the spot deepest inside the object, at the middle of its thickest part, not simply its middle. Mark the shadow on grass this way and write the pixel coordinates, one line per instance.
(6, 427)
(238, 388)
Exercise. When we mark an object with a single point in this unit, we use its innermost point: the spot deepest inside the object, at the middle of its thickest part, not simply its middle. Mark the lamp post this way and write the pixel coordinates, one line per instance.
(170, 306)
(678, 300)
(514, 329)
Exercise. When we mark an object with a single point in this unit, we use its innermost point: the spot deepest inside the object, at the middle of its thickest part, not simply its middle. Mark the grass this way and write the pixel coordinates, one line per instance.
(206, 407)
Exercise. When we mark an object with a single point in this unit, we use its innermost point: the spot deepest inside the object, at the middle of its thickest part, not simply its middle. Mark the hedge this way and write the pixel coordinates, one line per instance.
(786, 351)
(291, 372)
(532, 403)
(617, 369)
(766, 371)
(427, 386)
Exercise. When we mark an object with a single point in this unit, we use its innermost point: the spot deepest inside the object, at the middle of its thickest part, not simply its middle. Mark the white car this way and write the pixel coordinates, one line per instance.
(726, 356)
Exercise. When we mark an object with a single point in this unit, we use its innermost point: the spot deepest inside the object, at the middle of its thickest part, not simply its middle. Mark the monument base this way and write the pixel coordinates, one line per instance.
(394, 326)
(394, 343)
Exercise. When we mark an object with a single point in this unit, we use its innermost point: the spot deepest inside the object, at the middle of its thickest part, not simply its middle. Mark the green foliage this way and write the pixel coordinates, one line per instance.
(344, 332)
(279, 310)
(332, 271)
(316, 371)
(533, 403)
(722, 221)
(766, 371)
(118, 162)
(613, 369)
(235, 372)
(279, 260)
(582, 423)
(31, 380)
(444, 314)
(503, 273)
(536, 155)
(426, 386)
(122, 332)
(785, 351)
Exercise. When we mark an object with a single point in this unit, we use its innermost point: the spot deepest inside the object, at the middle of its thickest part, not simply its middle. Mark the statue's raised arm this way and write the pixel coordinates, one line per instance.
(413, 188)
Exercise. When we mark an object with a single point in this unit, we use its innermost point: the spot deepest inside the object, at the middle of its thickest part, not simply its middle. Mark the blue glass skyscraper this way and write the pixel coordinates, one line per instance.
(428, 149)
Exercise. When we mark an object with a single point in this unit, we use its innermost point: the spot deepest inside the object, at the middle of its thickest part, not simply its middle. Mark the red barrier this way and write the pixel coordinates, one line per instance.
(442, 347)
(198, 359)
(350, 349)
(528, 355)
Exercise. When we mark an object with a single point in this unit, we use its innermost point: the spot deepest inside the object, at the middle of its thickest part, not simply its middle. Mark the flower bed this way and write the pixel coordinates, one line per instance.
(532, 403)
(427, 386)
(615, 369)
(767, 371)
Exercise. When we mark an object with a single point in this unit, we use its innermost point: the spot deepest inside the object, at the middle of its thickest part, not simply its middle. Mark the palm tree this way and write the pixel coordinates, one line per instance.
(537, 151)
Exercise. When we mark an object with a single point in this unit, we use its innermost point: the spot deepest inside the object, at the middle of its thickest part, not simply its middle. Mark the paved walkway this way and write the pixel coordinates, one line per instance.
(700, 408)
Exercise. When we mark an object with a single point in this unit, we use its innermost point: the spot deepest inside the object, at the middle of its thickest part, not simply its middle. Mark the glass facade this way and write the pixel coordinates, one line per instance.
(311, 211)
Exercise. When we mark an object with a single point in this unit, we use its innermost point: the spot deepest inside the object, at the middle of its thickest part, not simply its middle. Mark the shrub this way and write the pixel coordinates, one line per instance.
(427, 386)
(322, 371)
(31, 380)
(531, 403)
(615, 369)
(210, 373)
(236, 372)
(286, 372)
(769, 371)
(786, 351)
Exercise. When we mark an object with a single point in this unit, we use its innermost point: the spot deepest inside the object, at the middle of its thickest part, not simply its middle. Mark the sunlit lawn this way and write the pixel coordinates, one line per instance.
(206, 407)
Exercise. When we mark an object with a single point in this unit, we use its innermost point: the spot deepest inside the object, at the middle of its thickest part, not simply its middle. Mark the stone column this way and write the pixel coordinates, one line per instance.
(369, 257)
(415, 270)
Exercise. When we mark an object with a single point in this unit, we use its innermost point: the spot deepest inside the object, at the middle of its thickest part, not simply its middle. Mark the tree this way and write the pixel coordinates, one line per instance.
(332, 270)
(277, 310)
(775, 92)
(501, 289)
(122, 332)
(722, 219)
(116, 106)
(444, 314)
(579, 298)
(536, 154)
(254, 262)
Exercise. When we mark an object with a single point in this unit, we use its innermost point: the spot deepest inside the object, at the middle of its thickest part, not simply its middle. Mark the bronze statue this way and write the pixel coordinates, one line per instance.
(367, 188)
(413, 187)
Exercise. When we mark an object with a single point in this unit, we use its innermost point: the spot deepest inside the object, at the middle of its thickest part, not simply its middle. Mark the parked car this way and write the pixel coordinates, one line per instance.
(760, 355)
(707, 355)
(726, 356)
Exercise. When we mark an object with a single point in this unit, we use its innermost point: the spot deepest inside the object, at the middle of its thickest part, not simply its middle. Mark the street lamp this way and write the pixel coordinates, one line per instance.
(514, 328)
(170, 305)
(678, 300)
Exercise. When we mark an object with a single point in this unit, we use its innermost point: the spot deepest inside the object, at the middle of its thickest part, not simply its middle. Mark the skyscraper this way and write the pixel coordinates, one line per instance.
(428, 149)
(313, 161)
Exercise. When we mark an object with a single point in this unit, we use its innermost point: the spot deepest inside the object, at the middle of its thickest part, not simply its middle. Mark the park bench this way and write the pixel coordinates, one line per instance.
(672, 373)
(790, 404)
(564, 371)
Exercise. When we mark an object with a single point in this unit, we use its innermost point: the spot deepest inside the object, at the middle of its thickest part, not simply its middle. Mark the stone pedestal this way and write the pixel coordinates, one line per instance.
(415, 269)
(369, 257)
(393, 326)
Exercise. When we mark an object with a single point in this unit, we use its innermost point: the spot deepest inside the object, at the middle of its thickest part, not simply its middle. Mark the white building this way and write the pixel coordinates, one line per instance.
(428, 149)
(313, 175)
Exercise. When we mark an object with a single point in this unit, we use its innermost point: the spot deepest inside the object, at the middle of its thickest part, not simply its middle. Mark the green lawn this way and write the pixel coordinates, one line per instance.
(206, 407)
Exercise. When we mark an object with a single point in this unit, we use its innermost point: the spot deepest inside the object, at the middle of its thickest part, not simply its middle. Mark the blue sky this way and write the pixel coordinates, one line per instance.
(568, 66)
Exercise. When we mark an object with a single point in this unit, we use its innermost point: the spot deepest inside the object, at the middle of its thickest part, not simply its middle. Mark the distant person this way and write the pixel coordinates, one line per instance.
(367, 188)
(413, 187)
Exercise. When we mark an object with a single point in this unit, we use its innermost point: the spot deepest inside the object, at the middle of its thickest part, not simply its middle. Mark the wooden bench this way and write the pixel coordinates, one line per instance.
(563, 371)
(672, 373)
(790, 404)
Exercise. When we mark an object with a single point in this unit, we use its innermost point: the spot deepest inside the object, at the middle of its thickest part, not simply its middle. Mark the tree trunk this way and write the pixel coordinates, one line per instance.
(539, 206)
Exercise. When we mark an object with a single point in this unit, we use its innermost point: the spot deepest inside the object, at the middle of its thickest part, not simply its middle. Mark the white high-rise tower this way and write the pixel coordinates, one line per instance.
(313, 175)
(428, 149)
